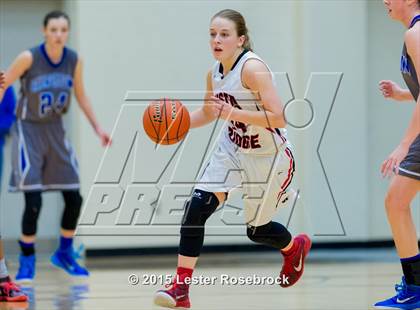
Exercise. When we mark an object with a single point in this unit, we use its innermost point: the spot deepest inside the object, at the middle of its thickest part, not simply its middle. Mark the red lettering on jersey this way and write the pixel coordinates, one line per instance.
(231, 133)
(254, 142)
(243, 140)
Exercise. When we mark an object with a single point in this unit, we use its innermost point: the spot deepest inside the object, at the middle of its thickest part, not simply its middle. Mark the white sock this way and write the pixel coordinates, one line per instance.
(3, 269)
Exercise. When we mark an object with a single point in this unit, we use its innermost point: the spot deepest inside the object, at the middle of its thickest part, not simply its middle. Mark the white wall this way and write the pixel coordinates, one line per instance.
(162, 46)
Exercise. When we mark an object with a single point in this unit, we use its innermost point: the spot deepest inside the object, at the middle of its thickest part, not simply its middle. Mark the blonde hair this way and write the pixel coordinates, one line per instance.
(240, 24)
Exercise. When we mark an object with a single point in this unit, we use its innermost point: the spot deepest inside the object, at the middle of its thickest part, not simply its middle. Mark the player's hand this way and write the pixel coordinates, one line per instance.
(391, 164)
(390, 90)
(2, 79)
(221, 109)
(105, 138)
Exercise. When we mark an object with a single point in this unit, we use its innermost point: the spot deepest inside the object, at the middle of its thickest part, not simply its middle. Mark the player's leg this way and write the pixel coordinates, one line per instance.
(65, 257)
(61, 171)
(9, 291)
(28, 148)
(199, 208)
(273, 175)
(401, 193)
(192, 229)
(218, 178)
(27, 258)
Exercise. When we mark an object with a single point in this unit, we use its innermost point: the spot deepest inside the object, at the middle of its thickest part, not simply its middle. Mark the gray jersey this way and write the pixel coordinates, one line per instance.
(46, 86)
(407, 68)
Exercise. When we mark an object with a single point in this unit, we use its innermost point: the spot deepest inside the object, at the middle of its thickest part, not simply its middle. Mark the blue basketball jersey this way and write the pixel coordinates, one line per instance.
(407, 67)
(46, 86)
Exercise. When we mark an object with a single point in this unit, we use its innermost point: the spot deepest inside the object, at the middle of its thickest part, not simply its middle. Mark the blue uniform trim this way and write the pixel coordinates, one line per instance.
(7, 113)
(415, 20)
(54, 65)
(22, 160)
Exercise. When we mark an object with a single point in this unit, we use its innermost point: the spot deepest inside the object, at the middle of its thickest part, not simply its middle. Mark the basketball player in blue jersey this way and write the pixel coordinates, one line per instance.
(404, 161)
(252, 148)
(42, 158)
(9, 291)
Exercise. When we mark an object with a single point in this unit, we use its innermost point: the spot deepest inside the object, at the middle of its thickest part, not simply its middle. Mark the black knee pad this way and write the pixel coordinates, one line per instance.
(198, 210)
(33, 203)
(72, 205)
(272, 234)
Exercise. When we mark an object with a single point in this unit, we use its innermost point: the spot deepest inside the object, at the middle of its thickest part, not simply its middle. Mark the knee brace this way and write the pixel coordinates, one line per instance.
(33, 203)
(72, 205)
(272, 234)
(198, 210)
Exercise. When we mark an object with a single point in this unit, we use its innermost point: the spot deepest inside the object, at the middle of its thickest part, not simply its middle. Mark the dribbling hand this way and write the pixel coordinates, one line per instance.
(221, 109)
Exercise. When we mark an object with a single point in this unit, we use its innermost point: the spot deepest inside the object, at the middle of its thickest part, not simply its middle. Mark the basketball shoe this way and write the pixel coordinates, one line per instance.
(176, 296)
(10, 292)
(408, 297)
(66, 260)
(294, 260)
(26, 271)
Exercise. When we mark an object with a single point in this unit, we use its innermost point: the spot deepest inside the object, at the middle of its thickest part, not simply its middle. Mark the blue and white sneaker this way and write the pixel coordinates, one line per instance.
(408, 297)
(66, 260)
(26, 271)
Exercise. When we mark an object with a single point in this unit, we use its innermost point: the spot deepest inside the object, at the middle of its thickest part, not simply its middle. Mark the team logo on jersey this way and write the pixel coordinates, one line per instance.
(405, 66)
(56, 80)
(240, 139)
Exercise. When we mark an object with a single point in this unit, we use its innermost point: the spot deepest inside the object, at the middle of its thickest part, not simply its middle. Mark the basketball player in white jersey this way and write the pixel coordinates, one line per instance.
(252, 149)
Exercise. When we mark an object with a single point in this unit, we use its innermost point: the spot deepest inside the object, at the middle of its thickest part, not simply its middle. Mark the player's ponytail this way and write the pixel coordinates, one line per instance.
(239, 21)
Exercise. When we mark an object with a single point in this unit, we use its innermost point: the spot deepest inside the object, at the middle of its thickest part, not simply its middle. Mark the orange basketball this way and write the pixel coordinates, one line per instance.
(166, 121)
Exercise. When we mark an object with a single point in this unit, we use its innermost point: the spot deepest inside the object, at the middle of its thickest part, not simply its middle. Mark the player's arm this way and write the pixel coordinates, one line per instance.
(391, 90)
(412, 42)
(257, 78)
(85, 104)
(22, 63)
(204, 115)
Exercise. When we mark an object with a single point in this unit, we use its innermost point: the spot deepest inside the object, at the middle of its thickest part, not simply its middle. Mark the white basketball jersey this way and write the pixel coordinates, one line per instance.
(244, 137)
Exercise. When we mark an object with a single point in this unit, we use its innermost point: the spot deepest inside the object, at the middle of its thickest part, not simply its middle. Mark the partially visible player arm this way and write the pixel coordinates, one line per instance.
(22, 63)
(257, 78)
(392, 90)
(85, 105)
(203, 115)
(412, 41)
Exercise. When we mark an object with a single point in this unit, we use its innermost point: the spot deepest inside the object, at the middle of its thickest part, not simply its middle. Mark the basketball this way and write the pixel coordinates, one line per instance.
(166, 121)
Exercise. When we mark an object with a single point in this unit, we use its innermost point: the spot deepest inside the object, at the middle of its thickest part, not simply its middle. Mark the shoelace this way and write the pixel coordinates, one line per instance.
(77, 254)
(8, 287)
(172, 284)
(401, 290)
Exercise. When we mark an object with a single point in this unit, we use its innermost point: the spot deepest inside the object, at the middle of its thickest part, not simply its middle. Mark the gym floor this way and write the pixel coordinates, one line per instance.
(343, 279)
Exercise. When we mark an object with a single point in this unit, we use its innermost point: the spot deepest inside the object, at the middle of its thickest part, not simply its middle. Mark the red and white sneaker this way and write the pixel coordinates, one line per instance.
(176, 297)
(294, 262)
(10, 292)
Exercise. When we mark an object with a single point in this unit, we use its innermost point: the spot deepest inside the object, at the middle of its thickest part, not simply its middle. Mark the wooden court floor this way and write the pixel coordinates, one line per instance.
(333, 280)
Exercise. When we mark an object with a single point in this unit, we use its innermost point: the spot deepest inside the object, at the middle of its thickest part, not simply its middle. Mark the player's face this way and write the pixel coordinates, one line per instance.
(224, 40)
(396, 8)
(57, 31)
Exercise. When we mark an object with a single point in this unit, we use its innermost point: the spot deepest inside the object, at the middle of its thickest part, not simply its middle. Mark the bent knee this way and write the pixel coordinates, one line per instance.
(394, 202)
